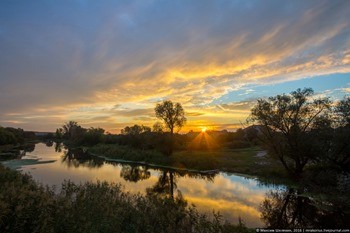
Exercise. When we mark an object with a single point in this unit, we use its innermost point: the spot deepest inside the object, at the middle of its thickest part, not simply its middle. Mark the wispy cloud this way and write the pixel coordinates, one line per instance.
(84, 62)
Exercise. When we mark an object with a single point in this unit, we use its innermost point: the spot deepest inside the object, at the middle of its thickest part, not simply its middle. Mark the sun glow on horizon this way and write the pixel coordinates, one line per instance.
(204, 129)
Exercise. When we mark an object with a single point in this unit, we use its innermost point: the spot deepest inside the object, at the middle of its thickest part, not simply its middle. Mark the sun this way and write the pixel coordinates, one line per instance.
(204, 129)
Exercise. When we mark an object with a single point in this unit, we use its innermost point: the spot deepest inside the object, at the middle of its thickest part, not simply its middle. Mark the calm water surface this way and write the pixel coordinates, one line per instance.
(233, 196)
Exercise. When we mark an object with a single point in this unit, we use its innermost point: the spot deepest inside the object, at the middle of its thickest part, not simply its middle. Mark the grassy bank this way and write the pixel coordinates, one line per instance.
(26, 206)
(244, 161)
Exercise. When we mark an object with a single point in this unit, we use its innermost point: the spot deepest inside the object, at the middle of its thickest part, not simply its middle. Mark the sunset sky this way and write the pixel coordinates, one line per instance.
(108, 63)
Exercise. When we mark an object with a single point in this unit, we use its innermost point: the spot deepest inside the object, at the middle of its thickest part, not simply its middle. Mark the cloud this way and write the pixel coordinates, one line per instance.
(239, 106)
(235, 197)
(195, 114)
(346, 90)
(149, 112)
(64, 57)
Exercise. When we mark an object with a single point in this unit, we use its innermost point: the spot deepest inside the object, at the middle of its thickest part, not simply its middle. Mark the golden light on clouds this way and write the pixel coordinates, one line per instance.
(129, 55)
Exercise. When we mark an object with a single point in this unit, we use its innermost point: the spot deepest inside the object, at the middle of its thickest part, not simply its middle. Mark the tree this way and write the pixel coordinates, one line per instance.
(59, 133)
(337, 140)
(173, 115)
(93, 136)
(68, 127)
(18, 133)
(72, 131)
(135, 130)
(343, 111)
(7, 137)
(288, 123)
(158, 127)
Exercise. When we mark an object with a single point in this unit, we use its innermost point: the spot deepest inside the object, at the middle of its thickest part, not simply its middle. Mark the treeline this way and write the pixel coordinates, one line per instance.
(144, 138)
(162, 136)
(73, 133)
(12, 136)
(26, 206)
(210, 140)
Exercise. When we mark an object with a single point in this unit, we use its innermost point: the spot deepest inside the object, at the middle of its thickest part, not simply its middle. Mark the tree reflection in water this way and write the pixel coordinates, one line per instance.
(167, 180)
(17, 152)
(49, 143)
(134, 173)
(290, 209)
(58, 147)
(23, 149)
(29, 147)
(165, 184)
(76, 157)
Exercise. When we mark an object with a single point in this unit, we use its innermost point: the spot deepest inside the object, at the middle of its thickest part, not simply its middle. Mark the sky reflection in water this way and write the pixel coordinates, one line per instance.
(232, 195)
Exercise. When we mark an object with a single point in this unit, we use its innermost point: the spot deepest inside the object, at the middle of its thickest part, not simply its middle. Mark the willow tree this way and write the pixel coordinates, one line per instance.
(289, 124)
(172, 114)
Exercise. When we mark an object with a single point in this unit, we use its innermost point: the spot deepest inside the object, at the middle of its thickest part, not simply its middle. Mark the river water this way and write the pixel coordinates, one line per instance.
(232, 195)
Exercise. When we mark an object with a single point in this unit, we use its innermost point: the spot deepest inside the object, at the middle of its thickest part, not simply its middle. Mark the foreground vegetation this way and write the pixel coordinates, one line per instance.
(26, 206)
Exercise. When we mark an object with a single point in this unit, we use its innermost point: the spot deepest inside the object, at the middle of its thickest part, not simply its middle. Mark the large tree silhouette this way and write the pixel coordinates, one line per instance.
(288, 123)
(172, 114)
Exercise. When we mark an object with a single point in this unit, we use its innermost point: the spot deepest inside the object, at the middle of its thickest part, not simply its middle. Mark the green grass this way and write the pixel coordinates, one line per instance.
(127, 153)
(242, 161)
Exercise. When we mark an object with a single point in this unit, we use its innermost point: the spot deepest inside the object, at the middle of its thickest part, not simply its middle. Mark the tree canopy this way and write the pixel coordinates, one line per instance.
(288, 123)
(135, 130)
(172, 114)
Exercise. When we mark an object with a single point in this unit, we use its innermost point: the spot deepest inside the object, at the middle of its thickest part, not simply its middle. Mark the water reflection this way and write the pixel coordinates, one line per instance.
(134, 173)
(167, 180)
(165, 185)
(290, 209)
(27, 148)
(49, 143)
(234, 196)
(16, 152)
(58, 147)
(76, 157)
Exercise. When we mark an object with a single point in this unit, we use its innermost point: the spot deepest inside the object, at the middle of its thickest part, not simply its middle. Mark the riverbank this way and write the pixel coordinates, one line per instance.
(11, 151)
(250, 162)
(247, 161)
(96, 207)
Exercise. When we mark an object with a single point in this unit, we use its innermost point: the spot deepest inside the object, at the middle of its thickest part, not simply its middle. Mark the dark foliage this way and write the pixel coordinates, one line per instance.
(301, 131)
(12, 136)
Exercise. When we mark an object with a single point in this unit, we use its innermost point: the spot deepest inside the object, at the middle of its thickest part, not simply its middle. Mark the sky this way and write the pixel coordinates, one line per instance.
(108, 63)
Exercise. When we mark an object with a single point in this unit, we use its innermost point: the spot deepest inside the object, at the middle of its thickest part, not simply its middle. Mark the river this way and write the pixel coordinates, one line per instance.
(232, 195)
